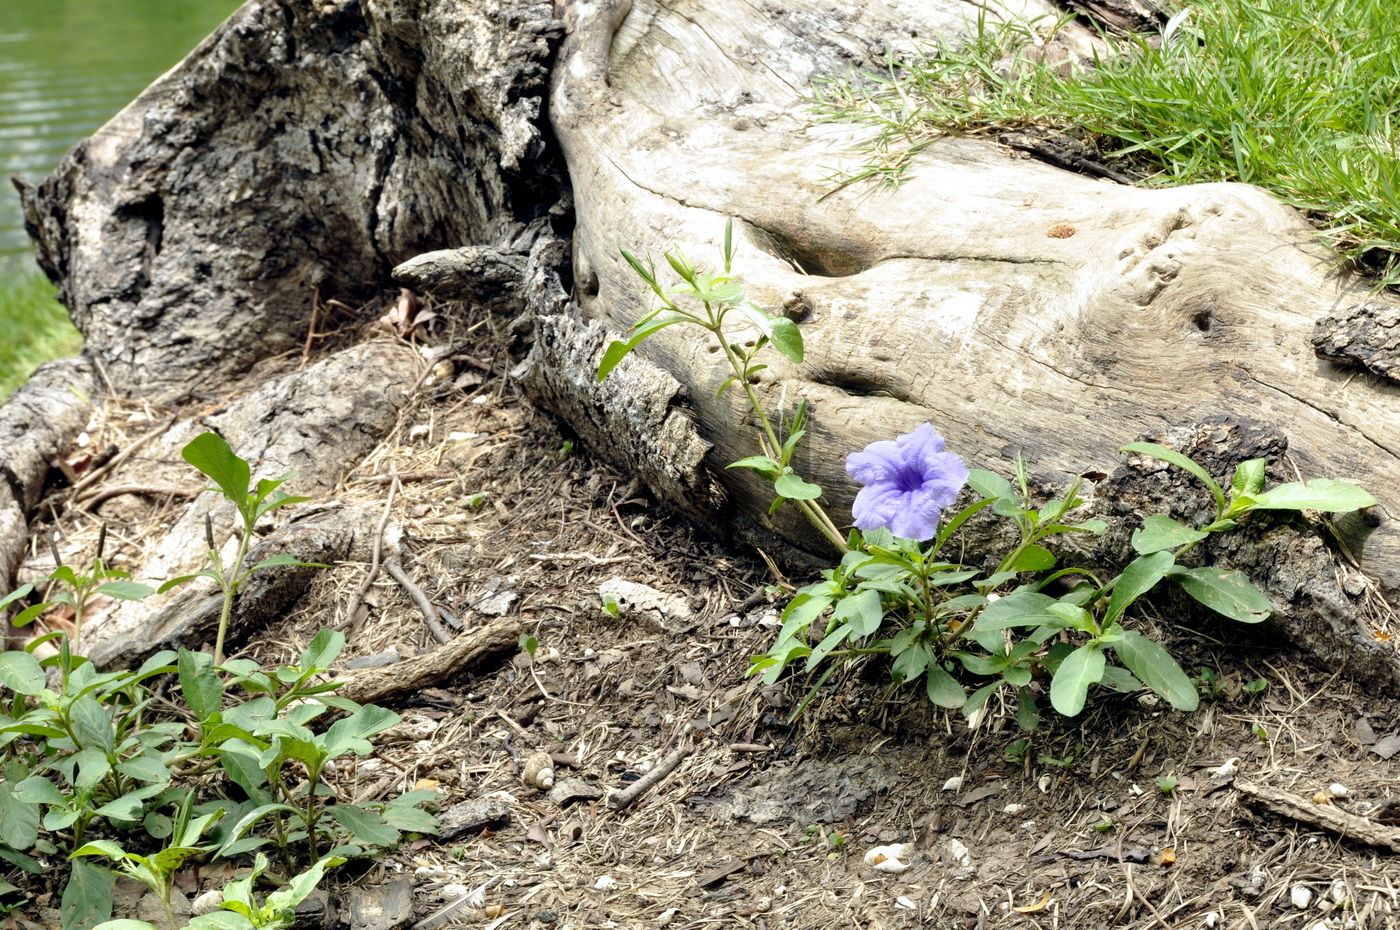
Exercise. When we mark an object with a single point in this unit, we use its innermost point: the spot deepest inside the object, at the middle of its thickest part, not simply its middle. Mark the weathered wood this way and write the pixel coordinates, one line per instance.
(436, 667)
(37, 425)
(1327, 817)
(1365, 334)
(303, 146)
(1019, 307)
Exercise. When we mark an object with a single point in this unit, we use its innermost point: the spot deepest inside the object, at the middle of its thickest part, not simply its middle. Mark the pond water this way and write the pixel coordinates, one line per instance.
(66, 66)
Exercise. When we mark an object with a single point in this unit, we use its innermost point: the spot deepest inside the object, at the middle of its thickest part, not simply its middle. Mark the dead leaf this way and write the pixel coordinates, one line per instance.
(1387, 746)
(539, 833)
(1167, 856)
(1037, 906)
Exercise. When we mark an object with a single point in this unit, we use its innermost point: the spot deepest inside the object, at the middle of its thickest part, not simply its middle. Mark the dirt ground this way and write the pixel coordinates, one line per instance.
(766, 823)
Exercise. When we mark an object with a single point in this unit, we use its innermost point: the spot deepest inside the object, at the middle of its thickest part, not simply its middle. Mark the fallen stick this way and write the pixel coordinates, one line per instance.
(131, 449)
(90, 504)
(376, 553)
(395, 569)
(435, 667)
(624, 798)
(1322, 816)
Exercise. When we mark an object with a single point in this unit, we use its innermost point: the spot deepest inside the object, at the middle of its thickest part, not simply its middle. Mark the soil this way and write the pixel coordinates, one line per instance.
(765, 823)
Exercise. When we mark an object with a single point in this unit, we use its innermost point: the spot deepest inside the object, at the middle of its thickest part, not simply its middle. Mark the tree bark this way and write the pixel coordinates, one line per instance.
(1025, 310)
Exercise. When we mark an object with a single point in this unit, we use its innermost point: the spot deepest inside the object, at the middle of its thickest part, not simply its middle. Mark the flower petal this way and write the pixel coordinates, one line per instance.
(876, 505)
(879, 461)
(917, 517)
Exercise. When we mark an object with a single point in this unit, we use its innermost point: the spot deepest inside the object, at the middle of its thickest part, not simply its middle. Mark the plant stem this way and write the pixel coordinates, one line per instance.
(231, 585)
(814, 513)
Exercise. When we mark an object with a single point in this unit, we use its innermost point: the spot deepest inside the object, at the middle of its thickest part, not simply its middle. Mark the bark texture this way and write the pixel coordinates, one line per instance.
(1019, 307)
(37, 425)
(303, 146)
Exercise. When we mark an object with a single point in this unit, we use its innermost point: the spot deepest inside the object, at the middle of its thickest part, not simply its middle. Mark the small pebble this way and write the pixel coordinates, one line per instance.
(207, 903)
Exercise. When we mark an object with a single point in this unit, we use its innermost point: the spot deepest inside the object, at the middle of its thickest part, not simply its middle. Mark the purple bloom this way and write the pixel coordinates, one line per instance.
(907, 481)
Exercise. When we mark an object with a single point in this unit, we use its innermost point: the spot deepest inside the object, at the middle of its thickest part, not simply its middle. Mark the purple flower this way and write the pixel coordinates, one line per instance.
(907, 482)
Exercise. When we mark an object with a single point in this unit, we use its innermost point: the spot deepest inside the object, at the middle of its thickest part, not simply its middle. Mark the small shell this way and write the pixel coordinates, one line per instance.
(1301, 896)
(1338, 790)
(539, 771)
(1229, 769)
(953, 784)
(891, 858)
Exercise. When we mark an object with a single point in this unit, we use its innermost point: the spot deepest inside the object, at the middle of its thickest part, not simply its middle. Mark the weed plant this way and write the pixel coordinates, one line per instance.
(1023, 624)
(1297, 96)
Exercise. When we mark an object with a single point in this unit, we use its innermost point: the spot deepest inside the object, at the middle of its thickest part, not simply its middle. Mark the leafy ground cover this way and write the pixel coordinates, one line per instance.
(34, 327)
(1297, 96)
(1114, 819)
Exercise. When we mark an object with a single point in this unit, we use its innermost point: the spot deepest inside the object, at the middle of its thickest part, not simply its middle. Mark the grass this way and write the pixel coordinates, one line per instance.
(1297, 96)
(34, 327)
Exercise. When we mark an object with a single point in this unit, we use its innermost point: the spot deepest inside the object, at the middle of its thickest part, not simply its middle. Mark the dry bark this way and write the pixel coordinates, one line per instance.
(301, 147)
(37, 425)
(440, 665)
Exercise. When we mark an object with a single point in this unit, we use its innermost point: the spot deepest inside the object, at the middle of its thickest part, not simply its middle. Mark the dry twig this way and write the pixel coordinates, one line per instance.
(425, 606)
(1322, 816)
(435, 667)
(376, 555)
(621, 800)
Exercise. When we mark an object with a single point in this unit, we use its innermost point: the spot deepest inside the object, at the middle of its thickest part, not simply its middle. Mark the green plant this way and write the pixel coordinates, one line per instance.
(721, 300)
(901, 589)
(76, 589)
(1296, 96)
(232, 477)
(1166, 784)
(157, 871)
(240, 909)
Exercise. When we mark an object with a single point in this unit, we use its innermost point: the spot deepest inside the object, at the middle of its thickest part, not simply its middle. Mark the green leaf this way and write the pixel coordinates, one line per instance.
(1070, 686)
(943, 689)
(759, 463)
(644, 272)
(1324, 494)
(862, 611)
(20, 592)
(1157, 669)
(1141, 576)
(910, 664)
(1249, 477)
(201, 685)
(991, 485)
(147, 768)
(1033, 559)
(87, 898)
(364, 825)
(1161, 532)
(125, 590)
(21, 673)
(125, 924)
(105, 848)
(351, 734)
(1020, 608)
(1172, 457)
(19, 820)
(1027, 711)
(213, 457)
(36, 789)
(92, 723)
(1225, 591)
(619, 349)
(953, 525)
(300, 887)
(322, 650)
(794, 488)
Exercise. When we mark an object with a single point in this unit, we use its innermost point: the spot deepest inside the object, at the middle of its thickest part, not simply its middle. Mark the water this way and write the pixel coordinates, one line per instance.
(66, 66)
